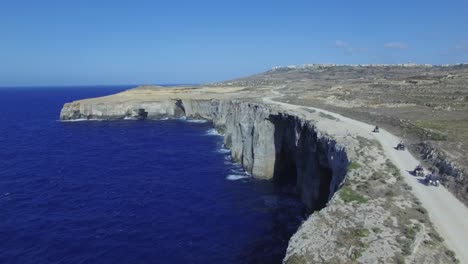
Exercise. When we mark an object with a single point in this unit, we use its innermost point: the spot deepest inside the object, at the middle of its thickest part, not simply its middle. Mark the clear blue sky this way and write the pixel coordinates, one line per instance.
(133, 42)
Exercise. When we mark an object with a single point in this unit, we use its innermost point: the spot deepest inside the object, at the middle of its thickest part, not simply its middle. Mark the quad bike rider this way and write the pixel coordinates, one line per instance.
(376, 129)
(432, 179)
(400, 146)
(419, 171)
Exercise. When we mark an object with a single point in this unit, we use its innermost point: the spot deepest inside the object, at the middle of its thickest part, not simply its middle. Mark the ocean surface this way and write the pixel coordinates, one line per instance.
(128, 191)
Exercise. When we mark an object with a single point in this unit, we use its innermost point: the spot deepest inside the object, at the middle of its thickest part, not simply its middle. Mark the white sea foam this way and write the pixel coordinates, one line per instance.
(196, 120)
(223, 151)
(235, 177)
(237, 168)
(80, 120)
(238, 171)
(130, 118)
(212, 132)
(182, 118)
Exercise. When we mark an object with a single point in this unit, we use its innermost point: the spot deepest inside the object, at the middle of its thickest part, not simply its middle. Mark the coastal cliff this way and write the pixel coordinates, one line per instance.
(363, 211)
(268, 143)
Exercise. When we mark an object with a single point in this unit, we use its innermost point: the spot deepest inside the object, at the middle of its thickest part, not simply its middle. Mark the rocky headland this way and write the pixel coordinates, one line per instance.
(365, 209)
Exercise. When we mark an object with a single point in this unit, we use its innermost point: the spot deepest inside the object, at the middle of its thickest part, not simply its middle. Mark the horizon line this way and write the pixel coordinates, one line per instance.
(94, 85)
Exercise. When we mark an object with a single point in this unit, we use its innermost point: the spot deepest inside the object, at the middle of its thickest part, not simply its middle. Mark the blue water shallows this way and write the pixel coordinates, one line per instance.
(128, 191)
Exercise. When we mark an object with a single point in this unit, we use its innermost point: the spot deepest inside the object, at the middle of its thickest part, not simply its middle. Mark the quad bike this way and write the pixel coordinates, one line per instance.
(419, 171)
(376, 130)
(432, 180)
(400, 146)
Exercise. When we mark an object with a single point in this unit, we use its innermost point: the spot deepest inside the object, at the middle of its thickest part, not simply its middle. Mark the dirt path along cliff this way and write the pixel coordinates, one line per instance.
(448, 214)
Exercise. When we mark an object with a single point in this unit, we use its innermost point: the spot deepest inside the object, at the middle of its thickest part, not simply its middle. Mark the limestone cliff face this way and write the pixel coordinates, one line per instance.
(118, 110)
(269, 143)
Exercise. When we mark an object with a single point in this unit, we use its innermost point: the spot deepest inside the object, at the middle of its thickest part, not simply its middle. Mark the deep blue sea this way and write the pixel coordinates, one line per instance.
(128, 191)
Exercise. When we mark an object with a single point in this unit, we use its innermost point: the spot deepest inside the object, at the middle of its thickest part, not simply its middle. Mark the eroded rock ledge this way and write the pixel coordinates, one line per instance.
(268, 143)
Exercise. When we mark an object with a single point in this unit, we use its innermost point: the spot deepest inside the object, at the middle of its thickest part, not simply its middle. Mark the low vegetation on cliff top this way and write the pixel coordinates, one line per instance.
(374, 219)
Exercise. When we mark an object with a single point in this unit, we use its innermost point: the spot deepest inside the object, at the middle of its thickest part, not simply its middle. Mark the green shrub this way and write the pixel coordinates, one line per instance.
(349, 195)
(361, 232)
(353, 166)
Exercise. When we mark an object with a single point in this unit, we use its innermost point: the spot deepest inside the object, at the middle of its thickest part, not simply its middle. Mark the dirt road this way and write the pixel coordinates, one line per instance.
(449, 215)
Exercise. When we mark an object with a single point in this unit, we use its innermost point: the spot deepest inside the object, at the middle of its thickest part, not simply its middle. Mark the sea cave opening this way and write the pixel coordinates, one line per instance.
(285, 168)
(301, 167)
(325, 175)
